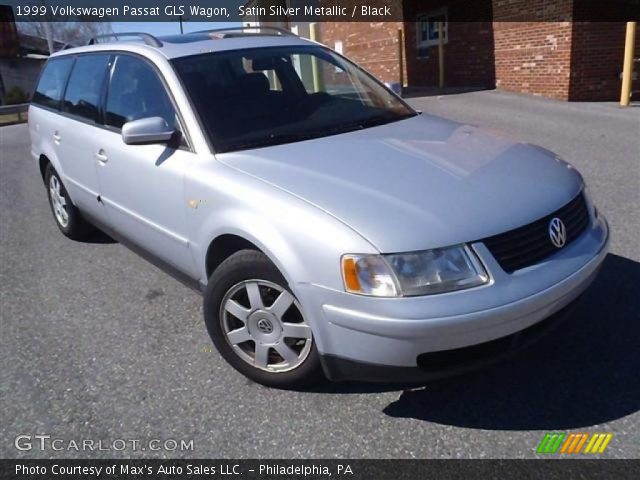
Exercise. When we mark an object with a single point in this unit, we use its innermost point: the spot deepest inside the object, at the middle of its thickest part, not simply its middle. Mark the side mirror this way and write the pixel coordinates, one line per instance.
(147, 130)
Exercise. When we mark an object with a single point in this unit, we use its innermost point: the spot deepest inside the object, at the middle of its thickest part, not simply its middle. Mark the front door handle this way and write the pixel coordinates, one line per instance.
(101, 156)
(56, 136)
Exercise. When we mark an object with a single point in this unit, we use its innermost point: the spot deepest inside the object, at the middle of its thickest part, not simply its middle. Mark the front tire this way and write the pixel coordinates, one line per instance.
(67, 216)
(257, 324)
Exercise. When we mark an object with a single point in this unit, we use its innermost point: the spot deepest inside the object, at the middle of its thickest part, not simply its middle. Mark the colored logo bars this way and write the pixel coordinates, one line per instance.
(574, 443)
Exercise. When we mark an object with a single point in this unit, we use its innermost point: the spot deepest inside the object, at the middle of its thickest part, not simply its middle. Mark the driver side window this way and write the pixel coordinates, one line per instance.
(135, 92)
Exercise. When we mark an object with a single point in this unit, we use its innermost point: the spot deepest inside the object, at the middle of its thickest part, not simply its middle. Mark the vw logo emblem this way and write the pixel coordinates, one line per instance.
(557, 232)
(265, 325)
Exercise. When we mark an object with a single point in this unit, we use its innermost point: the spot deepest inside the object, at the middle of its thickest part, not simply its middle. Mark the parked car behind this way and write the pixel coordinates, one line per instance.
(330, 227)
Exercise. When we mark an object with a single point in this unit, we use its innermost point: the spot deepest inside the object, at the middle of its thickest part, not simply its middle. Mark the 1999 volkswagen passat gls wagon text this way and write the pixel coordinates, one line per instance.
(330, 227)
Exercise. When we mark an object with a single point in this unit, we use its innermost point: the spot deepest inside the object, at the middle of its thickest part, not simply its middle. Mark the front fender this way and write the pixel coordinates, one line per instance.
(304, 242)
(253, 228)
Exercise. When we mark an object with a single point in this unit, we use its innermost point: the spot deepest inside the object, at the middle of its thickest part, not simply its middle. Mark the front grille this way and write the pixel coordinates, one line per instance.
(530, 244)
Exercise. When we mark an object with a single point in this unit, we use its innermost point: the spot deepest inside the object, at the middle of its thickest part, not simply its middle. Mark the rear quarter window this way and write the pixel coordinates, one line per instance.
(52, 81)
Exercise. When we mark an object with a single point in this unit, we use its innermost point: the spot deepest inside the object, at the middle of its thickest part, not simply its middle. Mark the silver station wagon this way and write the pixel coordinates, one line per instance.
(332, 229)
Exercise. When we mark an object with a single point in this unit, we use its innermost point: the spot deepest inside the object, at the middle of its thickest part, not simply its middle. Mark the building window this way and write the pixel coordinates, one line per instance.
(427, 29)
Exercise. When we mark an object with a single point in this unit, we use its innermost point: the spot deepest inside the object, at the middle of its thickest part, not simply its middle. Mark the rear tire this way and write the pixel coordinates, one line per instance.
(67, 217)
(257, 324)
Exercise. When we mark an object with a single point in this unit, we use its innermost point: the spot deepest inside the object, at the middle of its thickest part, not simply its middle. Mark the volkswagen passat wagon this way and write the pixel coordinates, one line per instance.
(330, 227)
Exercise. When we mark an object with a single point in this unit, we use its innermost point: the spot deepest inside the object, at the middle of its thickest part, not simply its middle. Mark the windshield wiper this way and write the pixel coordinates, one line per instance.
(369, 122)
(278, 139)
(273, 140)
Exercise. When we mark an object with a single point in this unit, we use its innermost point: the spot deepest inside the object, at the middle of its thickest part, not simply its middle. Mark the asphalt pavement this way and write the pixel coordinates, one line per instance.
(95, 343)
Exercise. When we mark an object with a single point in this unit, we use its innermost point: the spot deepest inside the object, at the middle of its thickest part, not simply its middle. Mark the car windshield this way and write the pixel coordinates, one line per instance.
(268, 96)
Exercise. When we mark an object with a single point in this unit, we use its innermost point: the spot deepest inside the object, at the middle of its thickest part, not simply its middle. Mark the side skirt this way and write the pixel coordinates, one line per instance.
(147, 255)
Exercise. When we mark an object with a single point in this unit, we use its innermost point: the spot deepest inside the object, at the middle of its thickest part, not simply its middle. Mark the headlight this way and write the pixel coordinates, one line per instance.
(368, 275)
(418, 273)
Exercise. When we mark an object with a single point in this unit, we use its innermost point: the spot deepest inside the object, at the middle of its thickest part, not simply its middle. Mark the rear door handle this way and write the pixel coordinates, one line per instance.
(56, 136)
(101, 156)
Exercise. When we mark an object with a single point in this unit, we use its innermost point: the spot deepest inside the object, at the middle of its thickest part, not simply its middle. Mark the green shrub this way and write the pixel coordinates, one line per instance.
(16, 95)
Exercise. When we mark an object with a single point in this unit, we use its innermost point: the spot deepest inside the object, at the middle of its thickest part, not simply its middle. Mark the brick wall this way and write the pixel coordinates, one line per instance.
(533, 57)
(552, 56)
(372, 45)
(597, 56)
(468, 57)
(527, 10)
(521, 56)
(468, 52)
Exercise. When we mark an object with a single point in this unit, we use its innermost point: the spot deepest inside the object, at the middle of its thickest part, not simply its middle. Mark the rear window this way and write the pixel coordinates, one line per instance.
(52, 81)
(82, 97)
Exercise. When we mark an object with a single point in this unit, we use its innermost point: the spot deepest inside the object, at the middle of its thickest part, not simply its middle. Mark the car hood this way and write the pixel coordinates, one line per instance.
(419, 183)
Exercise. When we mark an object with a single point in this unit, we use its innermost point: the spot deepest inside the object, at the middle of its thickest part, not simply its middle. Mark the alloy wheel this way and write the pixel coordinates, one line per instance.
(58, 201)
(264, 325)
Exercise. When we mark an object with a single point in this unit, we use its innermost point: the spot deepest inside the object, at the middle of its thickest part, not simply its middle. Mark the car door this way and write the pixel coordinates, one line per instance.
(76, 133)
(142, 185)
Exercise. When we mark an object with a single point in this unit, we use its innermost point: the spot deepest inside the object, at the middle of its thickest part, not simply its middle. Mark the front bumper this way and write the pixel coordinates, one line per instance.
(445, 363)
(358, 336)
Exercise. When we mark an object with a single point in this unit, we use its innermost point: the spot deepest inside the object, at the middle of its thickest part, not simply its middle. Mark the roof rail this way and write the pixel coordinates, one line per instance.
(249, 30)
(146, 37)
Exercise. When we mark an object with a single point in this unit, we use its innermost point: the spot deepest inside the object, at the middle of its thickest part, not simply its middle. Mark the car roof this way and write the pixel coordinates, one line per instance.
(176, 46)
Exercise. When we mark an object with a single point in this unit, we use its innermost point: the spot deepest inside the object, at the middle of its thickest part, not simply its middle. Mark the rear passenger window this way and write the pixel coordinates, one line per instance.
(136, 92)
(52, 81)
(82, 97)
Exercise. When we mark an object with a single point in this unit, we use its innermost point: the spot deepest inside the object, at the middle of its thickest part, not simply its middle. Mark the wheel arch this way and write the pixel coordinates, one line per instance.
(261, 237)
(222, 247)
(43, 161)
(47, 155)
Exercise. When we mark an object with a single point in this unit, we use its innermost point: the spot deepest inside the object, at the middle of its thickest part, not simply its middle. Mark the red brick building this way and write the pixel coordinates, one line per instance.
(563, 59)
